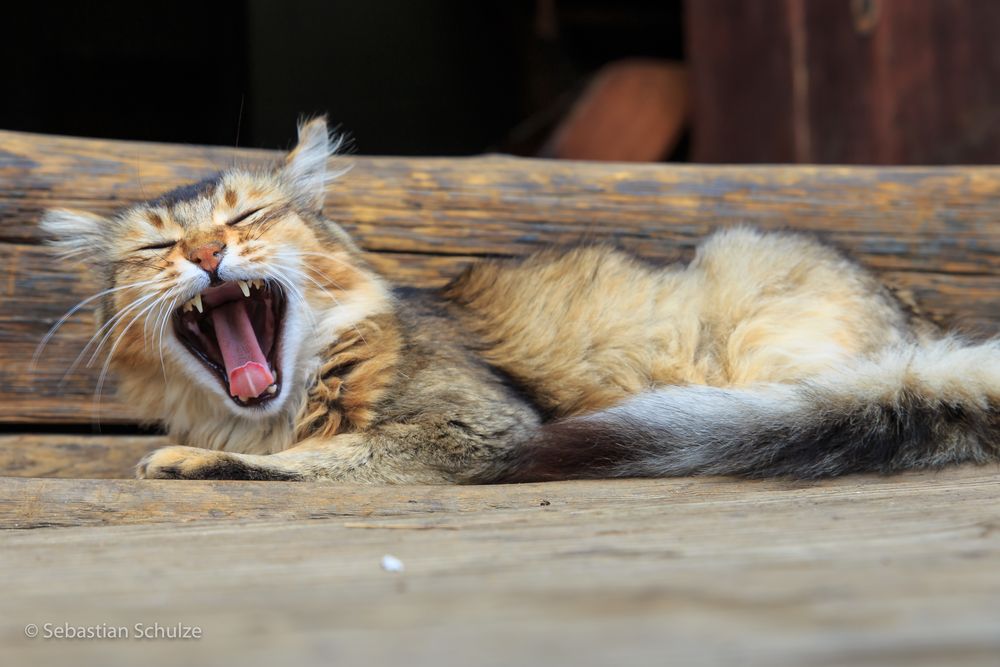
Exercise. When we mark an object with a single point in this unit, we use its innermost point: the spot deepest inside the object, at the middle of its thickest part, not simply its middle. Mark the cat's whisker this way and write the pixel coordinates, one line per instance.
(135, 318)
(335, 299)
(298, 267)
(307, 277)
(163, 310)
(156, 314)
(325, 277)
(288, 288)
(99, 390)
(111, 353)
(75, 309)
(109, 327)
(306, 253)
(299, 294)
(106, 327)
(325, 256)
(167, 313)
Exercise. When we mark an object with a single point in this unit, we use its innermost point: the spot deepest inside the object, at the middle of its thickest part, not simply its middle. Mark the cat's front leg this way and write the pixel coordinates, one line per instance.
(341, 458)
(197, 463)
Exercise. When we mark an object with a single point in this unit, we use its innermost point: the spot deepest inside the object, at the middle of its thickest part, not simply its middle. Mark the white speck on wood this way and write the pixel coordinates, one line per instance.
(391, 564)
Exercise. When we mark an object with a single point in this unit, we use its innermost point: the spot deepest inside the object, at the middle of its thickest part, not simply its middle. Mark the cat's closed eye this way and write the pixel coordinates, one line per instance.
(163, 245)
(242, 217)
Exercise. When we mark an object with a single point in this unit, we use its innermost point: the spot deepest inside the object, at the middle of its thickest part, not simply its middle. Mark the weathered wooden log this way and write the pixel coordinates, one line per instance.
(931, 231)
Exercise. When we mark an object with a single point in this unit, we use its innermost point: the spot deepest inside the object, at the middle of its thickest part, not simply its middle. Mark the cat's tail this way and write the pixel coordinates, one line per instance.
(910, 406)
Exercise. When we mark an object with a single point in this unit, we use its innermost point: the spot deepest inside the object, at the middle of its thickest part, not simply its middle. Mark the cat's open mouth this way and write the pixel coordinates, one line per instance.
(234, 330)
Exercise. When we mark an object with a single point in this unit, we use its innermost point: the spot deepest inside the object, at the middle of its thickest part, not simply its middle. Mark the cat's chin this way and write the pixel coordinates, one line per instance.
(233, 335)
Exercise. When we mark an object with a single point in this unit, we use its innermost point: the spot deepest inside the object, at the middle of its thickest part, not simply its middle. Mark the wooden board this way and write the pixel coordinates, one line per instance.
(832, 81)
(33, 503)
(931, 230)
(861, 571)
(73, 455)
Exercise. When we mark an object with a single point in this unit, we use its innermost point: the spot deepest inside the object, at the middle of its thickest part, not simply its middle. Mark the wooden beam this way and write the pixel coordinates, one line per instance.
(930, 231)
(939, 219)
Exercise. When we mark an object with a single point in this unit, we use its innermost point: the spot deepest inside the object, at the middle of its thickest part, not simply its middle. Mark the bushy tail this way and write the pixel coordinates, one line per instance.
(911, 406)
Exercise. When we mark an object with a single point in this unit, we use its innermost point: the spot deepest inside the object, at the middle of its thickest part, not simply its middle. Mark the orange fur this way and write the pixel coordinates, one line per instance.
(587, 328)
(384, 386)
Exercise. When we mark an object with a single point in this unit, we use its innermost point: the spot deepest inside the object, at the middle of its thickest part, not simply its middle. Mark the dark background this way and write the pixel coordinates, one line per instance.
(822, 81)
(401, 76)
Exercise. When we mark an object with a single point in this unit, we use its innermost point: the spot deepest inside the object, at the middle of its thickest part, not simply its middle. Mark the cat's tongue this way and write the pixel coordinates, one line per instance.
(246, 365)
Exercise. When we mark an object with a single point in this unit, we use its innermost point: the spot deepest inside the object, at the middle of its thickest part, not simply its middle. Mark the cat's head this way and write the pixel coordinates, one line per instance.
(226, 285)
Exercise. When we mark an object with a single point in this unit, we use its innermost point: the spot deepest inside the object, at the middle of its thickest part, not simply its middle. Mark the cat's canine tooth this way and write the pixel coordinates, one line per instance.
(197, 303)
(245, 287)
(259, 284)
(272, 389)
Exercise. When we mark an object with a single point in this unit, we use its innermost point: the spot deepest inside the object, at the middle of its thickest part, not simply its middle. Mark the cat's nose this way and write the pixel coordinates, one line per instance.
(208, 256)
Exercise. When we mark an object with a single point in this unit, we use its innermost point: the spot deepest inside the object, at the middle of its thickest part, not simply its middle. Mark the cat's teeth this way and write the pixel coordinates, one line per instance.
(259, 284)
(245, 287)
(272, 389)
(196, 301)
(188, 307)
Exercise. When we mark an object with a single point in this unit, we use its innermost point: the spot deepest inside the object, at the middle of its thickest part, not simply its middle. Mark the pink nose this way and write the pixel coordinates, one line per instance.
(208, 256)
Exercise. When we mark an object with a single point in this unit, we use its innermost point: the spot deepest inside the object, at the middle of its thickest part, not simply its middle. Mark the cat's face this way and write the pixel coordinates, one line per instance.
(224, 283)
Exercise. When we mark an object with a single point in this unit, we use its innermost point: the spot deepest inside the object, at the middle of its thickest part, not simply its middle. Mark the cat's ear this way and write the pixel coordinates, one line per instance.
(76, 234)
(305, 168)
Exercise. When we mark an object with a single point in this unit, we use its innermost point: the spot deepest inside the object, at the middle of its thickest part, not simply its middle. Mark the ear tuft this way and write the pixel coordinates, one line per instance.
(76, 234)
(306, 166)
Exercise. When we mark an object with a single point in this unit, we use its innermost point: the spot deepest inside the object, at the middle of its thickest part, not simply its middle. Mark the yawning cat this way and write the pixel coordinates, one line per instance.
(252, 328)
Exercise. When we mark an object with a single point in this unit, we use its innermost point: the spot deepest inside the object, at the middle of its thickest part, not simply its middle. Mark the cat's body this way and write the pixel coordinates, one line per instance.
(768, 354)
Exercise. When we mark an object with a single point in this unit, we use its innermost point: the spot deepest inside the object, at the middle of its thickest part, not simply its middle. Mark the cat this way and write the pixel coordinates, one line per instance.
(252, 328)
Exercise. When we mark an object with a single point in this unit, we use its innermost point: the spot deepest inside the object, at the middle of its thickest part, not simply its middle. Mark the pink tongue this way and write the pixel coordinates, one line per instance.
(246, 365)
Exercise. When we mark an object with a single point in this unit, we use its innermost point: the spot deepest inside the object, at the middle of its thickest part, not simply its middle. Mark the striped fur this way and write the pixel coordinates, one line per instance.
(910, 406)
(769, 354)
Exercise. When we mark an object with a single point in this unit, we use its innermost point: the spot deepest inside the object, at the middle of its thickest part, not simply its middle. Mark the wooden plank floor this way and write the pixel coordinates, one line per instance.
(861, 571)
(871, 571)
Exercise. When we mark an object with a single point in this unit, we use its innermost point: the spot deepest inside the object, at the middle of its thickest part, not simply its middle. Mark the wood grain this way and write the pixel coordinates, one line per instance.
(862, 571)
(832, 81)
(932, 231)
(74, 456)
(39, 502)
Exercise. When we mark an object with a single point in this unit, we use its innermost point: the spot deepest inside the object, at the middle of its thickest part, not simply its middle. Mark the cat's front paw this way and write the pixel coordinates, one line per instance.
(180, 463)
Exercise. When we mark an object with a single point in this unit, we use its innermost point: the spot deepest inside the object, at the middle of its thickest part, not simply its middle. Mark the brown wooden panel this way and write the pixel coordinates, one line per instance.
(852, 82)
(844, 110)
(932, 231)
(739, 56)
